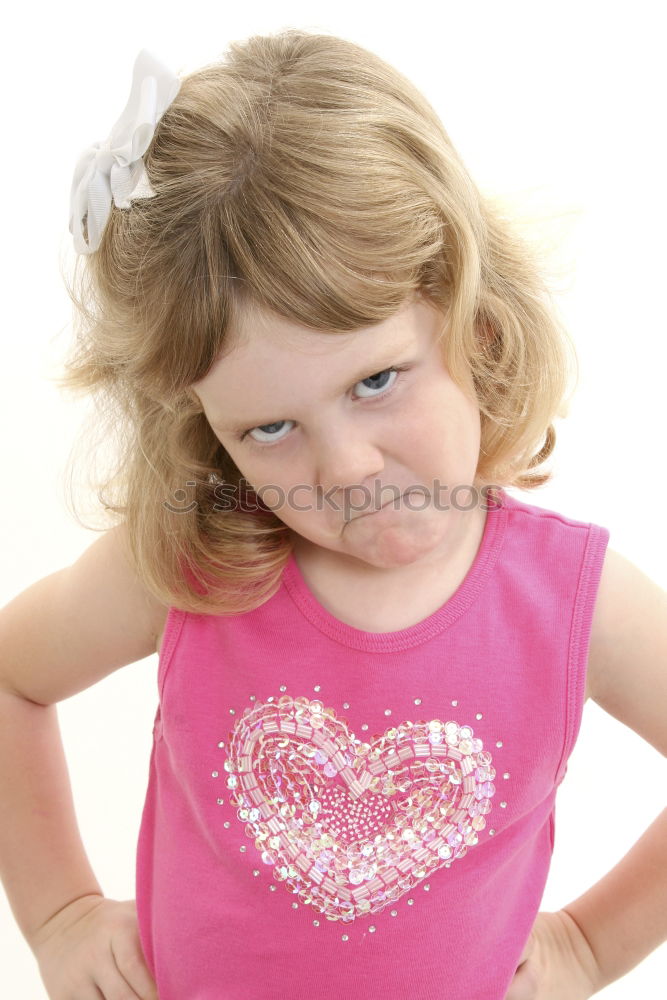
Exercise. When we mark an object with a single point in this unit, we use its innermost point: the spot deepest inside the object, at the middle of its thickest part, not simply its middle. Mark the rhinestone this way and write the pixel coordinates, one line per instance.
(331, 850)
(232, 712)
(503, 805)
(344, 937)
(226, 824)
(479, 716)
(491, 833)
(220, 802)
(455, 703)
(242, 848)
(221, 744)
(253, 697)
(316, 688)
(283, 688)
(316, 923)
(371, 929)
(426, 887)
(214, 774)
(499, 743)
(506, 774)
(346, 704)
(393, 912)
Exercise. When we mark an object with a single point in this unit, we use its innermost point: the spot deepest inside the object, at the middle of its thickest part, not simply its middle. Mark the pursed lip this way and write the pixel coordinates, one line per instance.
(386, 504)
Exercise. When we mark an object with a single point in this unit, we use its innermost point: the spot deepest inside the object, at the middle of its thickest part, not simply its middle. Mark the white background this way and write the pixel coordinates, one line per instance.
(559, 108)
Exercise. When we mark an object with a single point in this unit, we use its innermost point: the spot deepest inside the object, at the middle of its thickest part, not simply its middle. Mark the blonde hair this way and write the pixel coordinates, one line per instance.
(305, 175)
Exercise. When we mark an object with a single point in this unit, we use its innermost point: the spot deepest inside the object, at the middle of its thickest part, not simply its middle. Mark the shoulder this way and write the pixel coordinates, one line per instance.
(71, 628)
(110, 556)
(627, 667)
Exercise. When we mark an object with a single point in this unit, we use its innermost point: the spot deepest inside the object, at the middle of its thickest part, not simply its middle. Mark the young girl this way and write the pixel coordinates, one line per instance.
(325, 358)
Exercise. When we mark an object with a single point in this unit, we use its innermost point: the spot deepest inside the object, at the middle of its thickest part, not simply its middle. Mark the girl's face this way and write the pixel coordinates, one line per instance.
(327, 432)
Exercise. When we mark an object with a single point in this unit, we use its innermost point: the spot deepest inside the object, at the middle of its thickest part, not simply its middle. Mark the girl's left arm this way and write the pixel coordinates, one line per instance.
(623, 917)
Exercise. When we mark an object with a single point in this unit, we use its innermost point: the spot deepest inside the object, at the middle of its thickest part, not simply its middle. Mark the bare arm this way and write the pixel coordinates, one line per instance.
(59, 636)
(43, 863)
(624, 915)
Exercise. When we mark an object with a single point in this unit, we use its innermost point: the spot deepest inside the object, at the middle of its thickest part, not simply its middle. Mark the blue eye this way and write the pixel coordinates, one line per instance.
(378, 377)
(375, 378)
(263, 429)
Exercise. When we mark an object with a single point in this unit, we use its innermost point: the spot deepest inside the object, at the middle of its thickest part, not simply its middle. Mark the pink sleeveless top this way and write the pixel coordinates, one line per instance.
(338, 813)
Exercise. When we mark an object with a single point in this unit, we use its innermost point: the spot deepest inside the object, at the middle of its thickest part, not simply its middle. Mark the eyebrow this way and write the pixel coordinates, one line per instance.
(393, 357)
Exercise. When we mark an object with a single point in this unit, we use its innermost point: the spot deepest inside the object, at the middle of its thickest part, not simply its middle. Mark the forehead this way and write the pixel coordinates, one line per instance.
(271, 366)
(258, 339)
(256, 330)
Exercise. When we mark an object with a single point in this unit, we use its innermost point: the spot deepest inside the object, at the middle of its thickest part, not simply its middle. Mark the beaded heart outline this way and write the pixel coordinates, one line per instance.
(351, 825)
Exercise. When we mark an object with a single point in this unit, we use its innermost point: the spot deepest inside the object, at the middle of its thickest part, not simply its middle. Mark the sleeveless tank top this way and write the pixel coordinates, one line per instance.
(332, 812)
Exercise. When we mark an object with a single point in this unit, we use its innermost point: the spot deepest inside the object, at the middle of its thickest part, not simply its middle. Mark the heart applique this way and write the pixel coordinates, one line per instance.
(349, 825)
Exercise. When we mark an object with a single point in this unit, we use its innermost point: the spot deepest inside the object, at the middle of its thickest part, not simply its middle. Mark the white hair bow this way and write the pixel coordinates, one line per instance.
(114, 168)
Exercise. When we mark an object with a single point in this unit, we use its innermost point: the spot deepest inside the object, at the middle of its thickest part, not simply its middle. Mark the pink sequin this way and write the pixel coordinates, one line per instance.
(350, 825)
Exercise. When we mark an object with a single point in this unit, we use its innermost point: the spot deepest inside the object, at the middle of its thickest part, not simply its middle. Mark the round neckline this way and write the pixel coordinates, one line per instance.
(441, 619)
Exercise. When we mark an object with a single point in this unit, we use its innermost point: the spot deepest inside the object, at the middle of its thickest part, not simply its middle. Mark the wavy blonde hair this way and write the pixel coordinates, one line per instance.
(305, 175)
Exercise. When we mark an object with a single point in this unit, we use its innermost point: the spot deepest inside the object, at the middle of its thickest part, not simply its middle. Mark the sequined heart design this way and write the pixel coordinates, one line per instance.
(351, 825)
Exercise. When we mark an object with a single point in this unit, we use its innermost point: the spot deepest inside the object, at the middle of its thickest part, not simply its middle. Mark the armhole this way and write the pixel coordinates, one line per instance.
(580, 633)
(172, 629)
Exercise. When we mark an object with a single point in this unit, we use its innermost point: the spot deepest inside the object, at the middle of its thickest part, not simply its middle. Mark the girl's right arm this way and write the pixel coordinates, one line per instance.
(59, 636)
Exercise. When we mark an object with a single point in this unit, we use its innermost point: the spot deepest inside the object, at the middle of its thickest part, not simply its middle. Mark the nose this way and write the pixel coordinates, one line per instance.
(345, 459)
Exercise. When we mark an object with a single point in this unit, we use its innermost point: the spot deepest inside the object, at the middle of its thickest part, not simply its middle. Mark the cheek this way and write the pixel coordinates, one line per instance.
(445, 431)
(242, 459)
(272, 479)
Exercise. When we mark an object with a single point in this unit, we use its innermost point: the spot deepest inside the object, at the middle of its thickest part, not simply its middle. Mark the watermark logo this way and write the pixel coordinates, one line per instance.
(357, 500)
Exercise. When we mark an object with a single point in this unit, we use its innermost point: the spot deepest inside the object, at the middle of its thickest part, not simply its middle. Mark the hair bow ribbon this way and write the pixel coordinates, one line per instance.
(114, 169)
